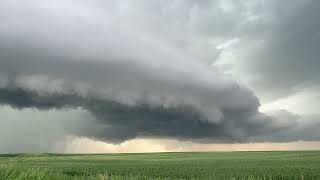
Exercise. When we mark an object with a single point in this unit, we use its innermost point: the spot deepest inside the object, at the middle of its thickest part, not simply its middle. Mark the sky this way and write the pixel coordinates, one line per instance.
(147, 76)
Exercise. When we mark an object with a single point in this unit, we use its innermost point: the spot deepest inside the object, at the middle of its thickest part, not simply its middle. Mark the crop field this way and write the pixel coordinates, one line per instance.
(197, 165)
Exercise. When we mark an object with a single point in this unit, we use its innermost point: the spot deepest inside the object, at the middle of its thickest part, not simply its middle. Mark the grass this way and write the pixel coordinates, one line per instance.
(206, 165)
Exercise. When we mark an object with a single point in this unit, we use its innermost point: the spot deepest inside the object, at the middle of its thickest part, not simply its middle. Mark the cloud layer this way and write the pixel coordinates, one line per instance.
(140, 72)
(130, 78)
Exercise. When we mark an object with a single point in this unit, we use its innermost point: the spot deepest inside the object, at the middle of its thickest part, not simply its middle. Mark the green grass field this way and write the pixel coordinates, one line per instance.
(205, 165)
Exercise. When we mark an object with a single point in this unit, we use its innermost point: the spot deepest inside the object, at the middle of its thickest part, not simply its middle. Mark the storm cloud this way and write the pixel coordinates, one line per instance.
(128, 77)
(175, 109)
(142, 73)
(279, 56)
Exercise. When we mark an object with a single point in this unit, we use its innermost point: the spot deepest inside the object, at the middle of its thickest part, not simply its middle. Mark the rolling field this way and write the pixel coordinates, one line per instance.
(205, 165)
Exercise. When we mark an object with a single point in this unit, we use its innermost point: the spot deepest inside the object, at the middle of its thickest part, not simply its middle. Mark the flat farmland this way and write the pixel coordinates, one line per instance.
(192, 165)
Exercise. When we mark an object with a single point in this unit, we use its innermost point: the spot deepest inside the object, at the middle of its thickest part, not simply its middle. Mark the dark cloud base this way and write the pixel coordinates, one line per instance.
(123, 122)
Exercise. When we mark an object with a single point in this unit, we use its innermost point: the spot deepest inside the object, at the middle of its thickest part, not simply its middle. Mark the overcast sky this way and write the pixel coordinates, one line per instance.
(132, 76)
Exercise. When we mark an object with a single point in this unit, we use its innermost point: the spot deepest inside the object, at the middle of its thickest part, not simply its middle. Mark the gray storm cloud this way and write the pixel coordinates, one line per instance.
(137, 80)
(278, 51)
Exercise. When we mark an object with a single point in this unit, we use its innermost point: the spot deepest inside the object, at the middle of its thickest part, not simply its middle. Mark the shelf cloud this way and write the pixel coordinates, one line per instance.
(133, 69)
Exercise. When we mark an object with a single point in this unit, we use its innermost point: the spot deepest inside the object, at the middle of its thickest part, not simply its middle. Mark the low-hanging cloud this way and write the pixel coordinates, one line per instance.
(134, 81)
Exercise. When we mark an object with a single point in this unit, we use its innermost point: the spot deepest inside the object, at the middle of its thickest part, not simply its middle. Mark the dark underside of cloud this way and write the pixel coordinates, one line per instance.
(144, 120)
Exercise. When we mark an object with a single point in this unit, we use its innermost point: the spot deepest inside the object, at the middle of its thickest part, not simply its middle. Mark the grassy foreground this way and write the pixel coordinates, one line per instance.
(206, 165)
